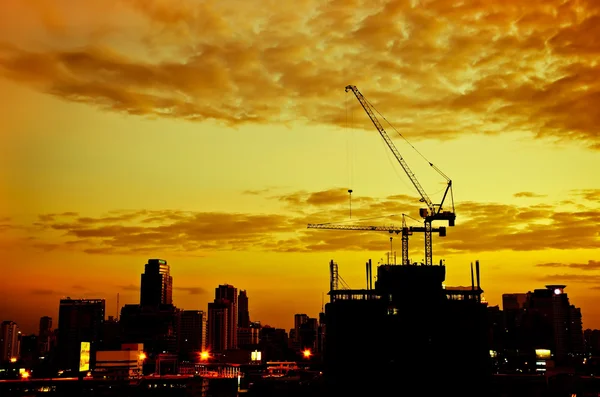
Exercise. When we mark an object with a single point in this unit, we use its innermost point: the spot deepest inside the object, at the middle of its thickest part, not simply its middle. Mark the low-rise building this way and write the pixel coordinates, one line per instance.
(120, 364)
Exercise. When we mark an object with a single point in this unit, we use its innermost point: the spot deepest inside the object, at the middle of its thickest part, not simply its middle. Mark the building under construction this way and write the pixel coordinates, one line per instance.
(408, 333)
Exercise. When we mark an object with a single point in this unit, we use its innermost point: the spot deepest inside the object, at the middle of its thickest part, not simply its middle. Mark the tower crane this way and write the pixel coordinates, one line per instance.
(405, 231)
(433, 212)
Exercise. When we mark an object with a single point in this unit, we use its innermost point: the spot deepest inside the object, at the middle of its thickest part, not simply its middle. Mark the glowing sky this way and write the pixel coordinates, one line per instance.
(209, 133)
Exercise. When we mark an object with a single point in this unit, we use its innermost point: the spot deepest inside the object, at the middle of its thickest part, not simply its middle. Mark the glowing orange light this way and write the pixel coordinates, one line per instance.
(204, 356)
(306, 353)
(25, 375)
(13, 359)
(142, 356)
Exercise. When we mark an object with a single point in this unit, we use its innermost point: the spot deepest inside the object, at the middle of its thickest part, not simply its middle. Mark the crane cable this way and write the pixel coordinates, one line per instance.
(370, 218)
(349, 145)
(407, 141)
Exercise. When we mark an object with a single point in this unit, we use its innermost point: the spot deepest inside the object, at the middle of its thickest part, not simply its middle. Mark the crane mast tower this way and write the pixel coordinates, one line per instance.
(432, 212)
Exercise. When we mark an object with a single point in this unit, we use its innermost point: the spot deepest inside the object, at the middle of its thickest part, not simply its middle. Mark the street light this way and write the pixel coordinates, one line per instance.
(25, 375)
(306, 353)
(204, 356)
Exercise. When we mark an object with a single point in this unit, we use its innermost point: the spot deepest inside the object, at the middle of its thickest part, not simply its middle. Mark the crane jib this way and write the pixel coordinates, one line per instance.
(433, 211)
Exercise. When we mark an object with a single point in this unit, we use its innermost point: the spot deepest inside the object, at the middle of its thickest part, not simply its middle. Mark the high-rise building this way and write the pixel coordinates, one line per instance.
(9, 341)
(299, 319)
(218, 325)
(192, 331)
(273, 343)
(243, 313)
(307, 334)
(79, 320)
(408, 329)
(29, 348)
(45, 336)
(154, 326)
(551, 322)
(249, 337)
(226, 294)
(157, 284)
(513, 301)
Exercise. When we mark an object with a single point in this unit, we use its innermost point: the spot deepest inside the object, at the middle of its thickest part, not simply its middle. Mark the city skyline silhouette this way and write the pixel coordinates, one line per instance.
(210, 135)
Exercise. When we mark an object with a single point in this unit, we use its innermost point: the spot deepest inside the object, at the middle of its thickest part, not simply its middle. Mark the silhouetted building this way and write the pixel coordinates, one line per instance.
(192, 332)
(45, 335)
(154, 326)
(79, 320)
(222, 332)
(273, 344)
(592, 342)
(512, 340)
(9, 341)
(513, 301)
(243, 313)
(497, 328)
(307, 334)
(299, 319)
(28, 348)
(320, 348)
(111, 335)
(157, 284)
(218, 325)
(549, 321)
(249, 337)
(407, 334)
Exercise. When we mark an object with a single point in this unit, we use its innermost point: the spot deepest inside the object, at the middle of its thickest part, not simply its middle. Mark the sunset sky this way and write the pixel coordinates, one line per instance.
(210, 133)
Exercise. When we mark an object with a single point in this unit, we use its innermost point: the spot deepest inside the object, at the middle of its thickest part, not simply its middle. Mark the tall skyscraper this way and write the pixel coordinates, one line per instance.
(79, 320)
(192, 331)
(157, 284)
(225, 304)
(299, 319)
(553, 322)
(9, 341)
(45, 336)
(243, 313)
(218, 326)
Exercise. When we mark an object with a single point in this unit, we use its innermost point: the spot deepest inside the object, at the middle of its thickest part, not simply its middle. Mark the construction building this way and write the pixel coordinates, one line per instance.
(407, 333)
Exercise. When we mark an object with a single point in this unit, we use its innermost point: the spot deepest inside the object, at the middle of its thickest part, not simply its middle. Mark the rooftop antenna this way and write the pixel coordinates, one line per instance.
(391, 250)
(350, 201)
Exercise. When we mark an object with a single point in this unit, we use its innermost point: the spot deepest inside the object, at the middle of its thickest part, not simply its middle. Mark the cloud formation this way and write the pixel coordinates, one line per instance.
(528, 195)
(192, 290)
(591, 265)
(440, 67)
(573, 278)
(480, 227)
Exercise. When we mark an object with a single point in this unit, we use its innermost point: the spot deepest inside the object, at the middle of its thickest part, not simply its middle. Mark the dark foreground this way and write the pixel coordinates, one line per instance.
(315, 386)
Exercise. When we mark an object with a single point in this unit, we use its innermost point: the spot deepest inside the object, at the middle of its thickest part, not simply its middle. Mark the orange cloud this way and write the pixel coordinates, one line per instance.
(528, 195)
(438, 67)
(483, 227)
(591, 265)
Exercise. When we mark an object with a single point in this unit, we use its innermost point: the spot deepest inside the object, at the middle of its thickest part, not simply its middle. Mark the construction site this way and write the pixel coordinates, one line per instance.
(405, 331)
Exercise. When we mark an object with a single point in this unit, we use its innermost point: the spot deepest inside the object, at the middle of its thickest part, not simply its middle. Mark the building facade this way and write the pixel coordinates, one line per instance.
(79, 320)
(192, 332)
(45, 335)
(156, 284)
(9, 341)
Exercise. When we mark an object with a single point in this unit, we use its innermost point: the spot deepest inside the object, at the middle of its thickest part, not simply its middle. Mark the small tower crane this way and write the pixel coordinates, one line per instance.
(433, 212)
(405, 231)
